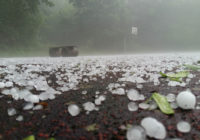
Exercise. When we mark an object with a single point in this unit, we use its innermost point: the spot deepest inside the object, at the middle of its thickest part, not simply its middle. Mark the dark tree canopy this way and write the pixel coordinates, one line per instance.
(19, 21)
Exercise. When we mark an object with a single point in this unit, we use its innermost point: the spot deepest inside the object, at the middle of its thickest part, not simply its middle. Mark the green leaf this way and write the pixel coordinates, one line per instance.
(31, 137)
(91, 127)
(175, 79)
(52, 139)
(192, 67)
(163, 75)
(162, 103)
(181, 74)
(175, 76)
(128, 126)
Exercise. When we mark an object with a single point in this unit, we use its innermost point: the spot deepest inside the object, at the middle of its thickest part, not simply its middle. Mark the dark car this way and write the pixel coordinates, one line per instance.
(64, 51)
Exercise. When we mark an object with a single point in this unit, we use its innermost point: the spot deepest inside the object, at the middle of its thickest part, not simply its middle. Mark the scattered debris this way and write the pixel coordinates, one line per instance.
(31, 137)
(91, 127)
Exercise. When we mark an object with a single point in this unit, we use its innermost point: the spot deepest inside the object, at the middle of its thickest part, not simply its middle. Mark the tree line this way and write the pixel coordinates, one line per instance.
(99, 24)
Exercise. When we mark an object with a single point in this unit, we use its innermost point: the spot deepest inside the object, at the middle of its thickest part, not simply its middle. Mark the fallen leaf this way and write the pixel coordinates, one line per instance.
(91, 127)
(162, 103)
(31, 137)
(192, 67)
(175, 76)
(44, 104)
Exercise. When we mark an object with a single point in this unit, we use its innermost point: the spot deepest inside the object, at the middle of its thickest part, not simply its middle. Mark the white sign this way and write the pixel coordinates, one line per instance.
(134, 30)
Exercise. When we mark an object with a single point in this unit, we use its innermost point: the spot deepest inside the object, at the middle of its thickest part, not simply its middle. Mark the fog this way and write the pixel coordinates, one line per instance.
(100, 26)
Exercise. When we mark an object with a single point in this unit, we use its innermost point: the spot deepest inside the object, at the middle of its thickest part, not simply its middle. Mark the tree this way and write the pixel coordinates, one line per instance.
(19, 21)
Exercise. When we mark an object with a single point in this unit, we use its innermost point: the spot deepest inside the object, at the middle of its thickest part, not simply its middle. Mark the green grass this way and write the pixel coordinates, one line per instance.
(24, 52)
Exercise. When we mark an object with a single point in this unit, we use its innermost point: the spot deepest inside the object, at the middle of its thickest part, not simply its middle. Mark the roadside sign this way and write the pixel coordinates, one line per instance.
(134, 30)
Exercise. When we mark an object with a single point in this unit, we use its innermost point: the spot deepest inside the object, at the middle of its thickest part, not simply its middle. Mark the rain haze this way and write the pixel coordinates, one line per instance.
(98, 27)
(99, 70)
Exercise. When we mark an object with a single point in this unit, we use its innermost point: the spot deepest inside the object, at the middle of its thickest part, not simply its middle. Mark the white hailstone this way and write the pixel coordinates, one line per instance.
(15, 93)
(73, 110)
(132, 106)
(171, 97)
(119, 91)
(20, 118)
(141, 97)
(173, 83)
(174, 139)
(12, 112)
(139, 80)
(9, 102)
(84, 92)
(116, 85)
(94, 79)
(85, 80)
(97, 102)
(174, 105)
(2, 85)
(41, 85)
(123, 127)
(190, 75)
(89, 106)
(45, 96)
(140, 86)
(38, 107)
(24, 93)
(133, 95)
(6, 92)
(136, 133)
(188, 80)
(30, 83)
(144, 105)
(100, 99)
(123, 85)
(154, 128)
(64, 89)
(198, 107)
(186, 100)
(183, 127)
(32, 98)
(9, 84)
(97, 92)
(28, 106)
(182, 84)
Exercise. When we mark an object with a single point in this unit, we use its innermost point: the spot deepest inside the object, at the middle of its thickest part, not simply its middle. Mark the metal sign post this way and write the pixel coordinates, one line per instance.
(134, 31)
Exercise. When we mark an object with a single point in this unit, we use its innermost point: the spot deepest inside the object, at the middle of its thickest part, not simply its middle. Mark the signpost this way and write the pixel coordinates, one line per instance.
(134, 31)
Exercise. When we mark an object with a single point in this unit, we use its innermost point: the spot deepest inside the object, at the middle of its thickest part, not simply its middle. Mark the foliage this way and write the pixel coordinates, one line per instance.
(31, 137)
(162, 103)
(19, 21)
(175, 76)
(192, 67)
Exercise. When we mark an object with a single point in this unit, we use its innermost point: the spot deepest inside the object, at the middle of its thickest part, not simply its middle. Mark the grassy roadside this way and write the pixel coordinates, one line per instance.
(24, 52)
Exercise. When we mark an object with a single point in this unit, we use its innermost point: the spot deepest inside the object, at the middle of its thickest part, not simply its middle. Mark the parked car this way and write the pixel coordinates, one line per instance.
(64, 51)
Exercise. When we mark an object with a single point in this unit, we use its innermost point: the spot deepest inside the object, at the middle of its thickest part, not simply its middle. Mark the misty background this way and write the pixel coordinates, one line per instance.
(30, 27)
